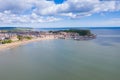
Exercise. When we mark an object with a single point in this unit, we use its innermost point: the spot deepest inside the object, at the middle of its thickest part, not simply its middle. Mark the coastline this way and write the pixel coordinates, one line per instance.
(18, 43)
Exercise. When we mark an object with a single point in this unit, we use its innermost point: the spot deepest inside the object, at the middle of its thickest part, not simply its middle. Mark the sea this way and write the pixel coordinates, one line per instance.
(59, 59)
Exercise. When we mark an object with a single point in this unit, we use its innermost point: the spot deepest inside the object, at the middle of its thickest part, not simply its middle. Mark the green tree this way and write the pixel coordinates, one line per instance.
(6, 41)
(20, 37)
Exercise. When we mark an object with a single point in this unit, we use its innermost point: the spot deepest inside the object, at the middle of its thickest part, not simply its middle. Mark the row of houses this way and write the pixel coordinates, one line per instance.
(5, 36)
(42, 34)
(13, 35)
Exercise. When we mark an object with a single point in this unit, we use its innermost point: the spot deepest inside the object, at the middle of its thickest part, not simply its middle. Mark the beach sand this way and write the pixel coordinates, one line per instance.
(18, 43)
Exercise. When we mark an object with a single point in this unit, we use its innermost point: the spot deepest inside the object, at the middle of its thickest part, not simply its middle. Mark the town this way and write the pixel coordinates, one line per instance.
(13, 36)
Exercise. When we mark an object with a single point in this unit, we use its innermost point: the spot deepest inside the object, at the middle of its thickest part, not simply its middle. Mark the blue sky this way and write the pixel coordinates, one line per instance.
(59, 1)
(59, 13)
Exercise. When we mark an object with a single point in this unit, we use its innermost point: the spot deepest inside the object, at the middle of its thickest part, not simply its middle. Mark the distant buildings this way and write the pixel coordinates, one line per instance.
(8, 35)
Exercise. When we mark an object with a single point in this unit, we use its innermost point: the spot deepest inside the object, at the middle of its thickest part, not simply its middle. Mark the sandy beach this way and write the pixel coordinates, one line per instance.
(18, 43)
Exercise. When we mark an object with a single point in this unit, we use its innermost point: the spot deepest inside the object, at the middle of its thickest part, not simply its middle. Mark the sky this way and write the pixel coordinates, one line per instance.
(59, 13)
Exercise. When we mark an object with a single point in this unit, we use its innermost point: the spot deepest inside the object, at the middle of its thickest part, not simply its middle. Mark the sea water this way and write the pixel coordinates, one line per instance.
(97, 59)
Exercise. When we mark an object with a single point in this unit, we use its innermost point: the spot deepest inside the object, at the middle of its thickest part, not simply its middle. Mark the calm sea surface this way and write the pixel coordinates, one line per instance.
(97, 59)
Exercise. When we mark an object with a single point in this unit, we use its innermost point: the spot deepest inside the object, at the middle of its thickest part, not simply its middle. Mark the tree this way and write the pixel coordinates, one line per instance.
(20, 37)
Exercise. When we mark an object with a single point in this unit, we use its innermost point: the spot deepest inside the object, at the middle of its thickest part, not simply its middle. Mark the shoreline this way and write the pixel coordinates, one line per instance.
(3, 47)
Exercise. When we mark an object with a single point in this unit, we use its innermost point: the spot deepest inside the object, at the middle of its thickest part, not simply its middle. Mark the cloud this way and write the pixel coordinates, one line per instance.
(16, 6)
(35, 11)
(77, 8)
(7, 17)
